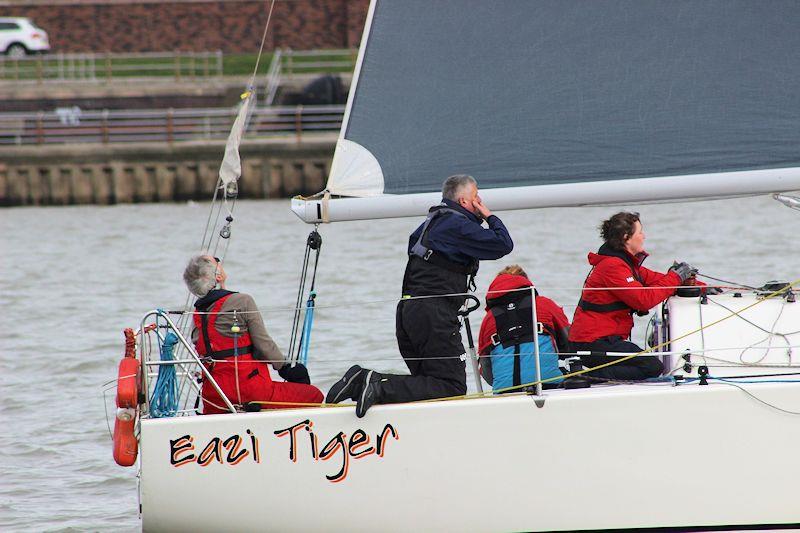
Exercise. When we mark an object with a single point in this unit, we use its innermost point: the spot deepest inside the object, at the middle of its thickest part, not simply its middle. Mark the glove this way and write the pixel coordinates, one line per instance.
(683, 270)
(296, 374)
(713, 290)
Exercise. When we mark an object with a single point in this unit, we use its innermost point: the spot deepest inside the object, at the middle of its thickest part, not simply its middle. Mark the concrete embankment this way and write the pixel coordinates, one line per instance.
(159, 172)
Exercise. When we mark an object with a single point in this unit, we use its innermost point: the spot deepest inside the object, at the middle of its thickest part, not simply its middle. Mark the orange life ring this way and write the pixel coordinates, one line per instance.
(128, 382)
(126, 446)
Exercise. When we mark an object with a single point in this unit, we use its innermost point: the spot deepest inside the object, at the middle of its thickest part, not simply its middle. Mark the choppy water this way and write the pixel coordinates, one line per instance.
(72, 278)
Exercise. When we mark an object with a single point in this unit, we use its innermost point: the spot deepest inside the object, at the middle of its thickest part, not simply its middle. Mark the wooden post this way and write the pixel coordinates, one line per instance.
(170, 125)
(177, 65)
(298, 121)
(39, 69)
(108, 66)
(104, 126)
(40, 127)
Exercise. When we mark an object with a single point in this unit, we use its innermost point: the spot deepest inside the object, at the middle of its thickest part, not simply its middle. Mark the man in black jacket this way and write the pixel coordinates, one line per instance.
(443, 259)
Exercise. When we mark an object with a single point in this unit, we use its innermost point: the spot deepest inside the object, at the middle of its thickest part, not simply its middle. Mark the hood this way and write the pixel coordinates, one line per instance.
(208, 300)
(504, 283)
(606, 251)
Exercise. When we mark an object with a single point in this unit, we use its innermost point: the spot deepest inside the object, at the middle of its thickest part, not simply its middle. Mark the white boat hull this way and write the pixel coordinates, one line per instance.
(602, 458)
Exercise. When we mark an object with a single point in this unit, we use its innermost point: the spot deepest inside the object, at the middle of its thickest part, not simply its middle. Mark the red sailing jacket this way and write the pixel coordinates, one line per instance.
(547, 311)
(611, 268)
(242, 378)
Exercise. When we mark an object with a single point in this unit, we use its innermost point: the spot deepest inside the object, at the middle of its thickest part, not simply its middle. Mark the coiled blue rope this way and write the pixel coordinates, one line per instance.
(165, 393)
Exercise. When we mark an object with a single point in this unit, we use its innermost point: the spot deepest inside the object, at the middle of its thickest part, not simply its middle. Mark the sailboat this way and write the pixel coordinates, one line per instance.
(550, 104)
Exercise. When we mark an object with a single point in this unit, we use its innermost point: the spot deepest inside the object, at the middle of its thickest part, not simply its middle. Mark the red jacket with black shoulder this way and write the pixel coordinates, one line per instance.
(614, 290)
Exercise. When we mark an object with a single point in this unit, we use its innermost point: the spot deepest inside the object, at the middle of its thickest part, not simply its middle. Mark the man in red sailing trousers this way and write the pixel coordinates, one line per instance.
(230, 335)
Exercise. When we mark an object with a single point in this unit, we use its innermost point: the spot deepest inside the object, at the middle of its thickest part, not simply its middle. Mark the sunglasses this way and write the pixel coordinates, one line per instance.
(217, 259)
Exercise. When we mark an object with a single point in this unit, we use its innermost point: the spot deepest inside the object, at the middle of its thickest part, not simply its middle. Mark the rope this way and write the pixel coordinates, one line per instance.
(263, 40)
(165, 395)
(300, 307)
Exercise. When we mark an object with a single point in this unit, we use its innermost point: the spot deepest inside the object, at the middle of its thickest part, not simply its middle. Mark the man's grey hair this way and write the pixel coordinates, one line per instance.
(454, 187)
(200, 275)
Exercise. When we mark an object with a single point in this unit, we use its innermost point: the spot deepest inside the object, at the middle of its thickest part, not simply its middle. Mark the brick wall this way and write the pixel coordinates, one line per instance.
(228, 25)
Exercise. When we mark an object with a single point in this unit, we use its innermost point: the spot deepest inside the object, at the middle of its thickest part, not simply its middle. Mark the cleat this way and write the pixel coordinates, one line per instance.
(347, 387)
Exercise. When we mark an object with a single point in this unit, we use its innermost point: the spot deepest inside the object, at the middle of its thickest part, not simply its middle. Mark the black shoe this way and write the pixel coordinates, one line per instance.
(347, 387)
(370, 393)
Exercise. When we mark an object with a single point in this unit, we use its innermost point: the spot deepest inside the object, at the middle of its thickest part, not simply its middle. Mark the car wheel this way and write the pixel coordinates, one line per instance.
(16, 51)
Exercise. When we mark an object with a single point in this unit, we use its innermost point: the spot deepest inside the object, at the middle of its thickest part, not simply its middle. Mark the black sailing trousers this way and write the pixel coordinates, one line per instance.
(636, 368)
(429, 338)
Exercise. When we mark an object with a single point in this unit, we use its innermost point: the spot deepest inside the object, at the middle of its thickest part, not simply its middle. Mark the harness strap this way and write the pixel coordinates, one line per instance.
(603, 308)
(204, 332)
(613, 306)
(224, 354)
(422, 250)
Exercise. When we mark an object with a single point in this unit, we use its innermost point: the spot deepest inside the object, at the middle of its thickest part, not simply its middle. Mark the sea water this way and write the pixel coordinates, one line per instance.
(71, 278)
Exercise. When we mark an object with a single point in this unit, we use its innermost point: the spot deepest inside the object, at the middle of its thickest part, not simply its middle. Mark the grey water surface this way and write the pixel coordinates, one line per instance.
(71, 278)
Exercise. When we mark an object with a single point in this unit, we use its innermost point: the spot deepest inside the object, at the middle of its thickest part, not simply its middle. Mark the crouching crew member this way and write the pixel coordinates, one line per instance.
(230, 336)
(617, 287)
(506, 337)
(443, 254)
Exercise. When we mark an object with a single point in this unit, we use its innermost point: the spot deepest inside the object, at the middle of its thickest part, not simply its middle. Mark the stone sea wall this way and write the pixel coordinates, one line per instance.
(88, 174)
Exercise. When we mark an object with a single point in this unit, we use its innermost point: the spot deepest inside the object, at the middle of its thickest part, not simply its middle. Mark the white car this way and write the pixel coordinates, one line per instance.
(20, 37)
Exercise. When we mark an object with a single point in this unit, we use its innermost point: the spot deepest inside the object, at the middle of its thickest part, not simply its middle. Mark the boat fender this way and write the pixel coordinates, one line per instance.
(126, 446)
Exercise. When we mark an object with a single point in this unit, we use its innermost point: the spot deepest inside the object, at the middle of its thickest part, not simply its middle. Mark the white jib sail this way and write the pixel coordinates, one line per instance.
(231, 168)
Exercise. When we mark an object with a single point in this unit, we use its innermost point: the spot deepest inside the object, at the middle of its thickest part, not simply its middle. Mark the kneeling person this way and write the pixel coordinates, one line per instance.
(506, 337)
(443, 256)
(230, 334)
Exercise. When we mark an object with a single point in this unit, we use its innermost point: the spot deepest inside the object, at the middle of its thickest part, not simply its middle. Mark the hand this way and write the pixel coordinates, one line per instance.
(477, 203)
(296, 374)
(712, 290)
(684, 270)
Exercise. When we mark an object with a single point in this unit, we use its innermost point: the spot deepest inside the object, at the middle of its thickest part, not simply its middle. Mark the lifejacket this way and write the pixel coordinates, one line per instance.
(513, 353)
(429, 272)
(213, 344)
(235, 378)
(619, 305)
(422, 249)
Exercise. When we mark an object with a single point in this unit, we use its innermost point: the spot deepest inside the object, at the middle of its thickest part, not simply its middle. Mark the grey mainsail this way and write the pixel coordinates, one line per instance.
(553, 93)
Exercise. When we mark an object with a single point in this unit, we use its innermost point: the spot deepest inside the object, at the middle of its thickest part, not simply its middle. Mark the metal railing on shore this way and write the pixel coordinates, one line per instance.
(164, 125)
(95, 67)
(173, 66)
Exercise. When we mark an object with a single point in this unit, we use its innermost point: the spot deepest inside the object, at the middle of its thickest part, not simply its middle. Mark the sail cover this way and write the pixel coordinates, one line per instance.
(530, 93)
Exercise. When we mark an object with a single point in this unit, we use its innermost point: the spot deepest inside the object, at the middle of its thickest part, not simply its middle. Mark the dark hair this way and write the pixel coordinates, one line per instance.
(618, 229)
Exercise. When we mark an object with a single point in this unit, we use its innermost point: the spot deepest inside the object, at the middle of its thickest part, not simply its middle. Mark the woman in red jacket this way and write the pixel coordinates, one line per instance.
(507, 352)
(617, 287)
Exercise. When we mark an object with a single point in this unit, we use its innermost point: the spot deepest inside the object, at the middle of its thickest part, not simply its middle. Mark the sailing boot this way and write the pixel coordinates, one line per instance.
(348, 387)
(371, 392)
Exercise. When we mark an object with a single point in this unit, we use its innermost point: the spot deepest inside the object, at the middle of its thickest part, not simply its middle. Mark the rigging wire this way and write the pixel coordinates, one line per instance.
(756, 398)
(726, 282)
(263, 40)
